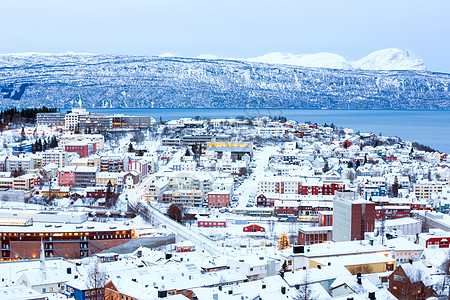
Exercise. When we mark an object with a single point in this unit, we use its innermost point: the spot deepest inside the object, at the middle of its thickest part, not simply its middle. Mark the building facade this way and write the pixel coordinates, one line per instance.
(352, 217)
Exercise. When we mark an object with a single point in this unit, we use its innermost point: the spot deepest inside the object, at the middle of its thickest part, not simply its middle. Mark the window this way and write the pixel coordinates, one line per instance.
(86, 293)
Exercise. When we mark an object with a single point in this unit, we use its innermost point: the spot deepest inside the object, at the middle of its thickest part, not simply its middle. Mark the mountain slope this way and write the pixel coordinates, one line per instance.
(58, 80)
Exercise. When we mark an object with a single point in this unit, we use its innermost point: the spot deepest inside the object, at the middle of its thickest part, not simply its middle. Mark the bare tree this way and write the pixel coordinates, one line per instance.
(442, 288)
(96, 281)
(304, 291)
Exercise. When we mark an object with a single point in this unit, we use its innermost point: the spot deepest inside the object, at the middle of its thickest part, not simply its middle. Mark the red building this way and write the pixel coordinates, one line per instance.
(185, 246)
(393, 212)
(263, 201)
(253, 228)
(66, 176)
(141, 166)
(331, 187)
(434, 240)
(286, 208)
(83, 148)
(211, 222)
(325, 218)
(314, 235)
(218, 199)
(131, 179)
(96, 192)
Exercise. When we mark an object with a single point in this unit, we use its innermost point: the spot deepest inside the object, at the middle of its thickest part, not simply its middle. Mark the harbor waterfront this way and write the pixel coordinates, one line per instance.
(430, 128)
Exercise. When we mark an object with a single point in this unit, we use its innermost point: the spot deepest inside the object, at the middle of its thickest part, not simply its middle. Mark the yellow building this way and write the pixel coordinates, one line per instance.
(59, 192)
(6, 183)
(103, 178)
(364, 263)
(24, 182)
(37, 160)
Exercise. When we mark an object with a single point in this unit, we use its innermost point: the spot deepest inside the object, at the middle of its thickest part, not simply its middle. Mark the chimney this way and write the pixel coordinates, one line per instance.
(372, 296)
(358, 278)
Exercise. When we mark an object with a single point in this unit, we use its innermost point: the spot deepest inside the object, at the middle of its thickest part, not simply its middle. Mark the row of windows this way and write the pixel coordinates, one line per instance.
(111, 236)
(211, 223)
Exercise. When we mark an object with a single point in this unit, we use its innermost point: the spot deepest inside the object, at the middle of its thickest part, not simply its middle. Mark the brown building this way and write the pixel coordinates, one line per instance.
(411, 281)
(314, 235)
(352, 217)
(218, 199)
(21, 238)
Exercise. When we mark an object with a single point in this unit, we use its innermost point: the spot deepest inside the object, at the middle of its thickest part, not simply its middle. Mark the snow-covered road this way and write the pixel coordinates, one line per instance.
(249, 187)
(138, 196)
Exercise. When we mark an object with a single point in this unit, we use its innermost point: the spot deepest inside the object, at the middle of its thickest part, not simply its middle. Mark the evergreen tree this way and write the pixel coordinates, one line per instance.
(194, 148)
(284, 267)
(130, 147)
(350, 164)
(326, 168)
(395, 187)
(108, 194)
(22, 133)
(283, 242)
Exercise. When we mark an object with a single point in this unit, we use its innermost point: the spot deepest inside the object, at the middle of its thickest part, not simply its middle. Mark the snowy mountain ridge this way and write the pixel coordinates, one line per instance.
(387, 59)
(108, 81)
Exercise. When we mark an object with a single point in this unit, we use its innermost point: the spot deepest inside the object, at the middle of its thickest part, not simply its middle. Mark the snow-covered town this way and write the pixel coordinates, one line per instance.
(130, 207)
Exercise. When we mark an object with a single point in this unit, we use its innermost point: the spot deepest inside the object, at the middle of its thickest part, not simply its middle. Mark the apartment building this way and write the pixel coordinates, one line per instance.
(94, 122)
(98, 139)
(424, 189)
(58, 157)
(77, 176)
(24, 182)
(82, 148)
(21, 162)
(50, 119)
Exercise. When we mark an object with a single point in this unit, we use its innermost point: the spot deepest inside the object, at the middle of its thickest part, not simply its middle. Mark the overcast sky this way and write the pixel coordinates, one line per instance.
(229, 28)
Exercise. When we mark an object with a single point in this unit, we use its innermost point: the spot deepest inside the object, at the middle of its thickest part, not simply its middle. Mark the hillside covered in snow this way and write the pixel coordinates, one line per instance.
(57, 80)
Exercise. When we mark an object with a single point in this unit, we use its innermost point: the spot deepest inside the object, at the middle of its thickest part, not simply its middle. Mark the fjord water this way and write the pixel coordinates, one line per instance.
(431, 128)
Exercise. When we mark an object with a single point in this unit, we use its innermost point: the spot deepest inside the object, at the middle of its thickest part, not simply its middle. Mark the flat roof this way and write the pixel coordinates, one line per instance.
(87, 226)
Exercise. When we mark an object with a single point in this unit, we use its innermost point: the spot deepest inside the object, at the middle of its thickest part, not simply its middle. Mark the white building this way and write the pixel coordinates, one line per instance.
(58, 157)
